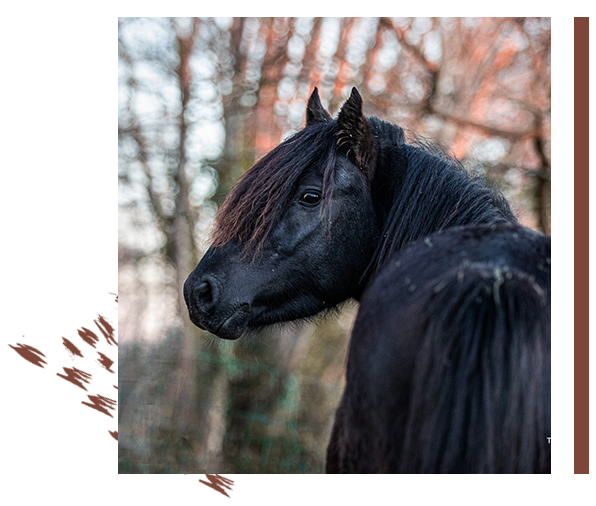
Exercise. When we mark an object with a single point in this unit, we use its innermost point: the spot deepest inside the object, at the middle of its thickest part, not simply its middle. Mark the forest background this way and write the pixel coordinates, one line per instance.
(200, 99)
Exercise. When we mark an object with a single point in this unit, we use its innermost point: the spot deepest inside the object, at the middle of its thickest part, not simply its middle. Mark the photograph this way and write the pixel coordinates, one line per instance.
(334, 245)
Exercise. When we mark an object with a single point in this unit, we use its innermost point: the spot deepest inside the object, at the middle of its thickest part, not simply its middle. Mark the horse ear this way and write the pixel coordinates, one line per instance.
(315, 112)
(354, 136)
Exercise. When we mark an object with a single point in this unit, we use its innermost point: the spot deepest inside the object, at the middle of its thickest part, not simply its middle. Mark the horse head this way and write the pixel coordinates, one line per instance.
(297, 232)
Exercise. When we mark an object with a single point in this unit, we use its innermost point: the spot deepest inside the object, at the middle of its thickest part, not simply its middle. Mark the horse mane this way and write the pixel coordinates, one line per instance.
(256, 204)
(435, 192)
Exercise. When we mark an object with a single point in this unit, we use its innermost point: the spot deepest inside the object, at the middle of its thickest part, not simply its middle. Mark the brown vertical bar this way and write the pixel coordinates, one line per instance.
(581, 232)
(63, 405)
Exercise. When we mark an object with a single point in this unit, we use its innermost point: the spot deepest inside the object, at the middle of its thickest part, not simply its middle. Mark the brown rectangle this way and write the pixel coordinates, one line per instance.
(62, 405)
(581, 252)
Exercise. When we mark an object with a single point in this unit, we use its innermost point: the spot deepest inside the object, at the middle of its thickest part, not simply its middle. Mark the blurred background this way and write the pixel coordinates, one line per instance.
(200, 99)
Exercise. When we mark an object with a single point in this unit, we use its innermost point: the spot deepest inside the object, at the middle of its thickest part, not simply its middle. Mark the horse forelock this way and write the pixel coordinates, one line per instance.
(258, 201)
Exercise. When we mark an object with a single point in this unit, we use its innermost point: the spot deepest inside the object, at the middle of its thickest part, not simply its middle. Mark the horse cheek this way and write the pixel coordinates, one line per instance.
(352, 251)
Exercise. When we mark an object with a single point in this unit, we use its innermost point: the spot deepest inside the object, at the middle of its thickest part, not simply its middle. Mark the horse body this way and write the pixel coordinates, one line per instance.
(454, 375)
(449, 361)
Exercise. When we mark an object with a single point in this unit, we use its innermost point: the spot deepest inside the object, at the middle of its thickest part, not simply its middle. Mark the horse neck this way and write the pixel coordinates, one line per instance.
(419, 193)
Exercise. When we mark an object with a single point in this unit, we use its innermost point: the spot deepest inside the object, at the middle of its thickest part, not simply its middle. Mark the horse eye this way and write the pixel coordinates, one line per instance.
(310, 198)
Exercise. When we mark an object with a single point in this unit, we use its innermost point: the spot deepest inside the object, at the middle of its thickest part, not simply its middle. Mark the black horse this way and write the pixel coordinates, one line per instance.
(449, 360)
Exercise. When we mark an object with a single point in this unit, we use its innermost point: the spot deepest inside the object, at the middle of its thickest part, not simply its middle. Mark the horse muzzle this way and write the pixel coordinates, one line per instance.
(205, 309)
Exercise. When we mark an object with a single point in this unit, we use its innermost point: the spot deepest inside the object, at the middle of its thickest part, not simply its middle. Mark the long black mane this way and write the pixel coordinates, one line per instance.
(434, 192)
(419, 187)
(256, 204)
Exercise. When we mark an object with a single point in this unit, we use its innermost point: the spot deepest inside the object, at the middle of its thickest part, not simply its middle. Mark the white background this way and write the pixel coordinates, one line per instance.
(58, 176)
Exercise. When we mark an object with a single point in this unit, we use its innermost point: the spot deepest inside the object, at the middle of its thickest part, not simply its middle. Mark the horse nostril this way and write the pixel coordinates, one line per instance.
(204, 291)
(204, 295)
